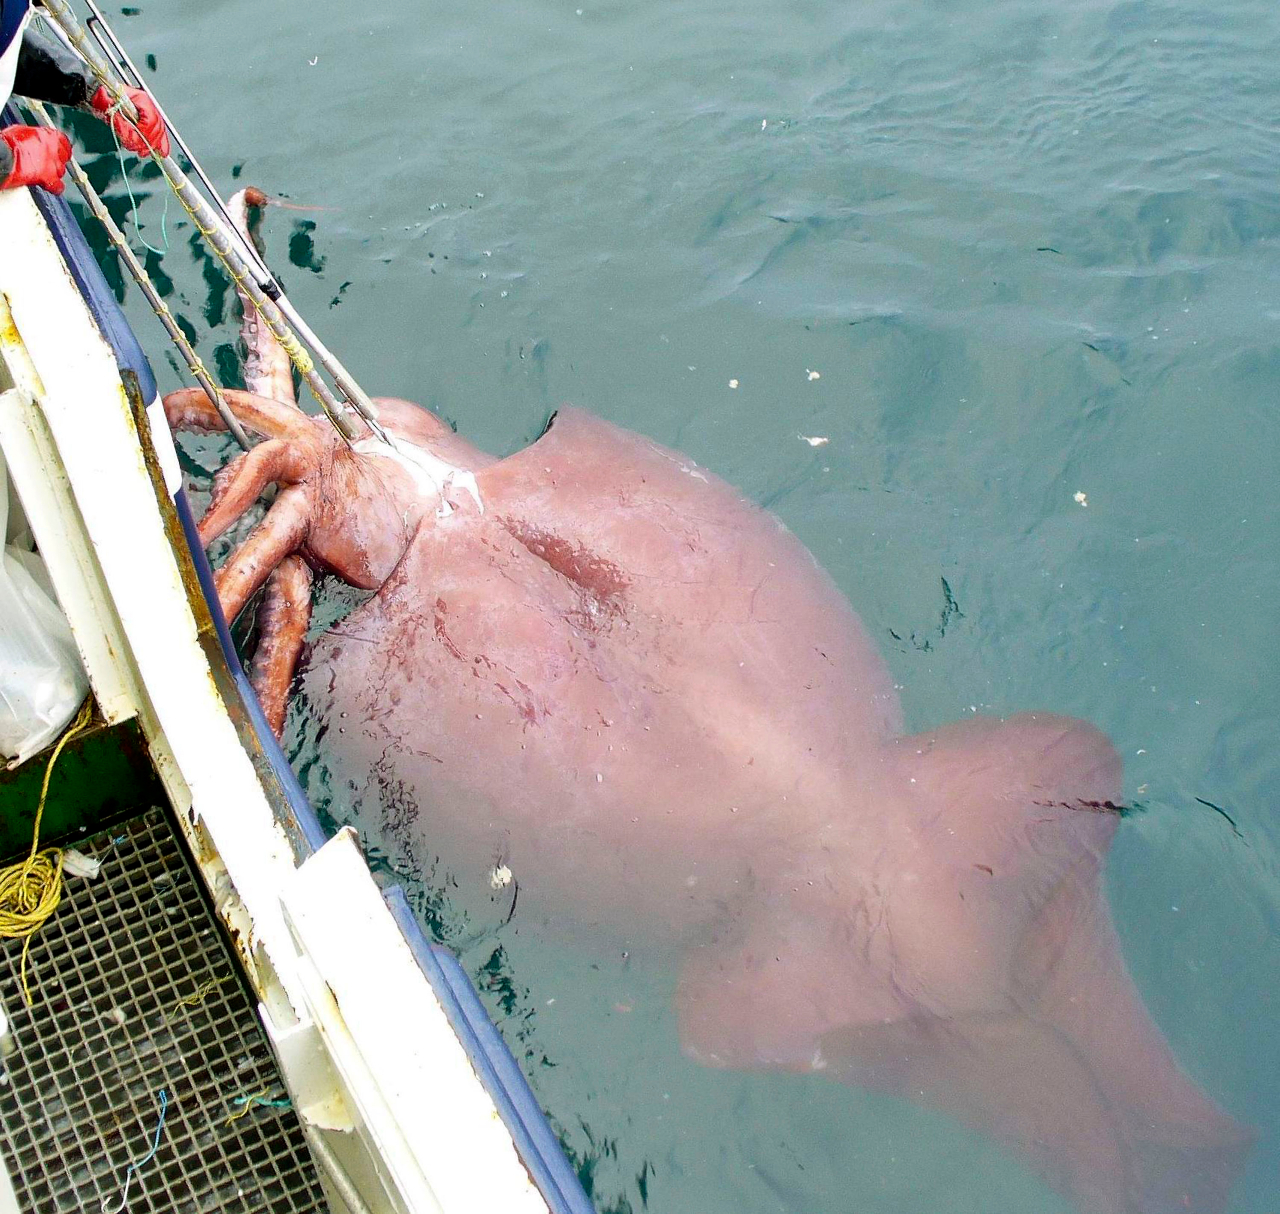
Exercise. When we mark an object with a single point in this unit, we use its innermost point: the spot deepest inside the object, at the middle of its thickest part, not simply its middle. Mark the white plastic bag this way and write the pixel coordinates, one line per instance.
(41, 680)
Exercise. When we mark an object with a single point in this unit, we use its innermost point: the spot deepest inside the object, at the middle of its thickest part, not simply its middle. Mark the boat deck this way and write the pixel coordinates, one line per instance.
(135, 992)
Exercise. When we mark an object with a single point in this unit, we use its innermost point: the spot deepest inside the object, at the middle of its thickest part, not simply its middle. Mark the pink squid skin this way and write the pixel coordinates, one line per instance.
(641, 692)
(618, 665)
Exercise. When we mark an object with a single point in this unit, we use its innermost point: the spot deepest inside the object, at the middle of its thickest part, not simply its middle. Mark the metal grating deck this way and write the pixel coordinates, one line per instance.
(109, 1029)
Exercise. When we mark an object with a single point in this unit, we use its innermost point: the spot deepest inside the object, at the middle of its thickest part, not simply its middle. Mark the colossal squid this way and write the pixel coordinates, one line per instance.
(598, 660)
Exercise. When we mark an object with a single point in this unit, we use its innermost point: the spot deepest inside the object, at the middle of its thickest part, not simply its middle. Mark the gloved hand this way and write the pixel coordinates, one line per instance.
(39, 157)
(149, 132)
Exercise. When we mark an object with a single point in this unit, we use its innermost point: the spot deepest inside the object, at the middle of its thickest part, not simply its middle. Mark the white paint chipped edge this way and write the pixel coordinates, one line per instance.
(388, 1034)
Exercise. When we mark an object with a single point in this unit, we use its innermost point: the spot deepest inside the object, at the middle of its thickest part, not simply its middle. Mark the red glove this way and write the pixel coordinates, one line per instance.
(149, 132)
(39, 157)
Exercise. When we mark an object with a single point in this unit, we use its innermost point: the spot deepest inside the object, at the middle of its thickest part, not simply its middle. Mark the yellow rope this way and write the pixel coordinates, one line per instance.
(246, 1103)
(280, 331)
(198, 996)
(259, 1097)
(30, 891)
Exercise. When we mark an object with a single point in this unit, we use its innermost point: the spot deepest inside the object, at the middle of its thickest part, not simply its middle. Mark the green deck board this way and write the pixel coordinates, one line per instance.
(101, 776)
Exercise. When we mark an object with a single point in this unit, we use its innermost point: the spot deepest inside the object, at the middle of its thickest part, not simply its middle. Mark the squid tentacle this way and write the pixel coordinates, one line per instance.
(292, 453)
(283, 618)
(290, 457)
(242, 482)
(225, 477)
(191, 409)
(268, 370)
(280, 534)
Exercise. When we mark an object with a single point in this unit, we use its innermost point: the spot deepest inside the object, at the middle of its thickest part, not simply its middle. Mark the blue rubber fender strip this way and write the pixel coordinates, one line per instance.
(538, 1147)
(304, 815)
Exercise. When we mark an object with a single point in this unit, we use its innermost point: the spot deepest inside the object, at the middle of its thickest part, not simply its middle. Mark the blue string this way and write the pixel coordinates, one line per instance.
(141, 1163)
(133, 202)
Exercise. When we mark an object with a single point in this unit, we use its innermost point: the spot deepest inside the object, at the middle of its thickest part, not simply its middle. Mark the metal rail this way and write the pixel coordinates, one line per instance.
(110, 45)
(266, 296)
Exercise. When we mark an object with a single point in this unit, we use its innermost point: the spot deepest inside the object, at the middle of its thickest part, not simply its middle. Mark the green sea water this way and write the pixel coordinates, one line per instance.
(999, 289)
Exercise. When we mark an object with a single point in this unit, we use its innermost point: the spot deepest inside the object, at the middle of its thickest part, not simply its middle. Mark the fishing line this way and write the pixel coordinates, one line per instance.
(133, 202)
(146, 1159)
